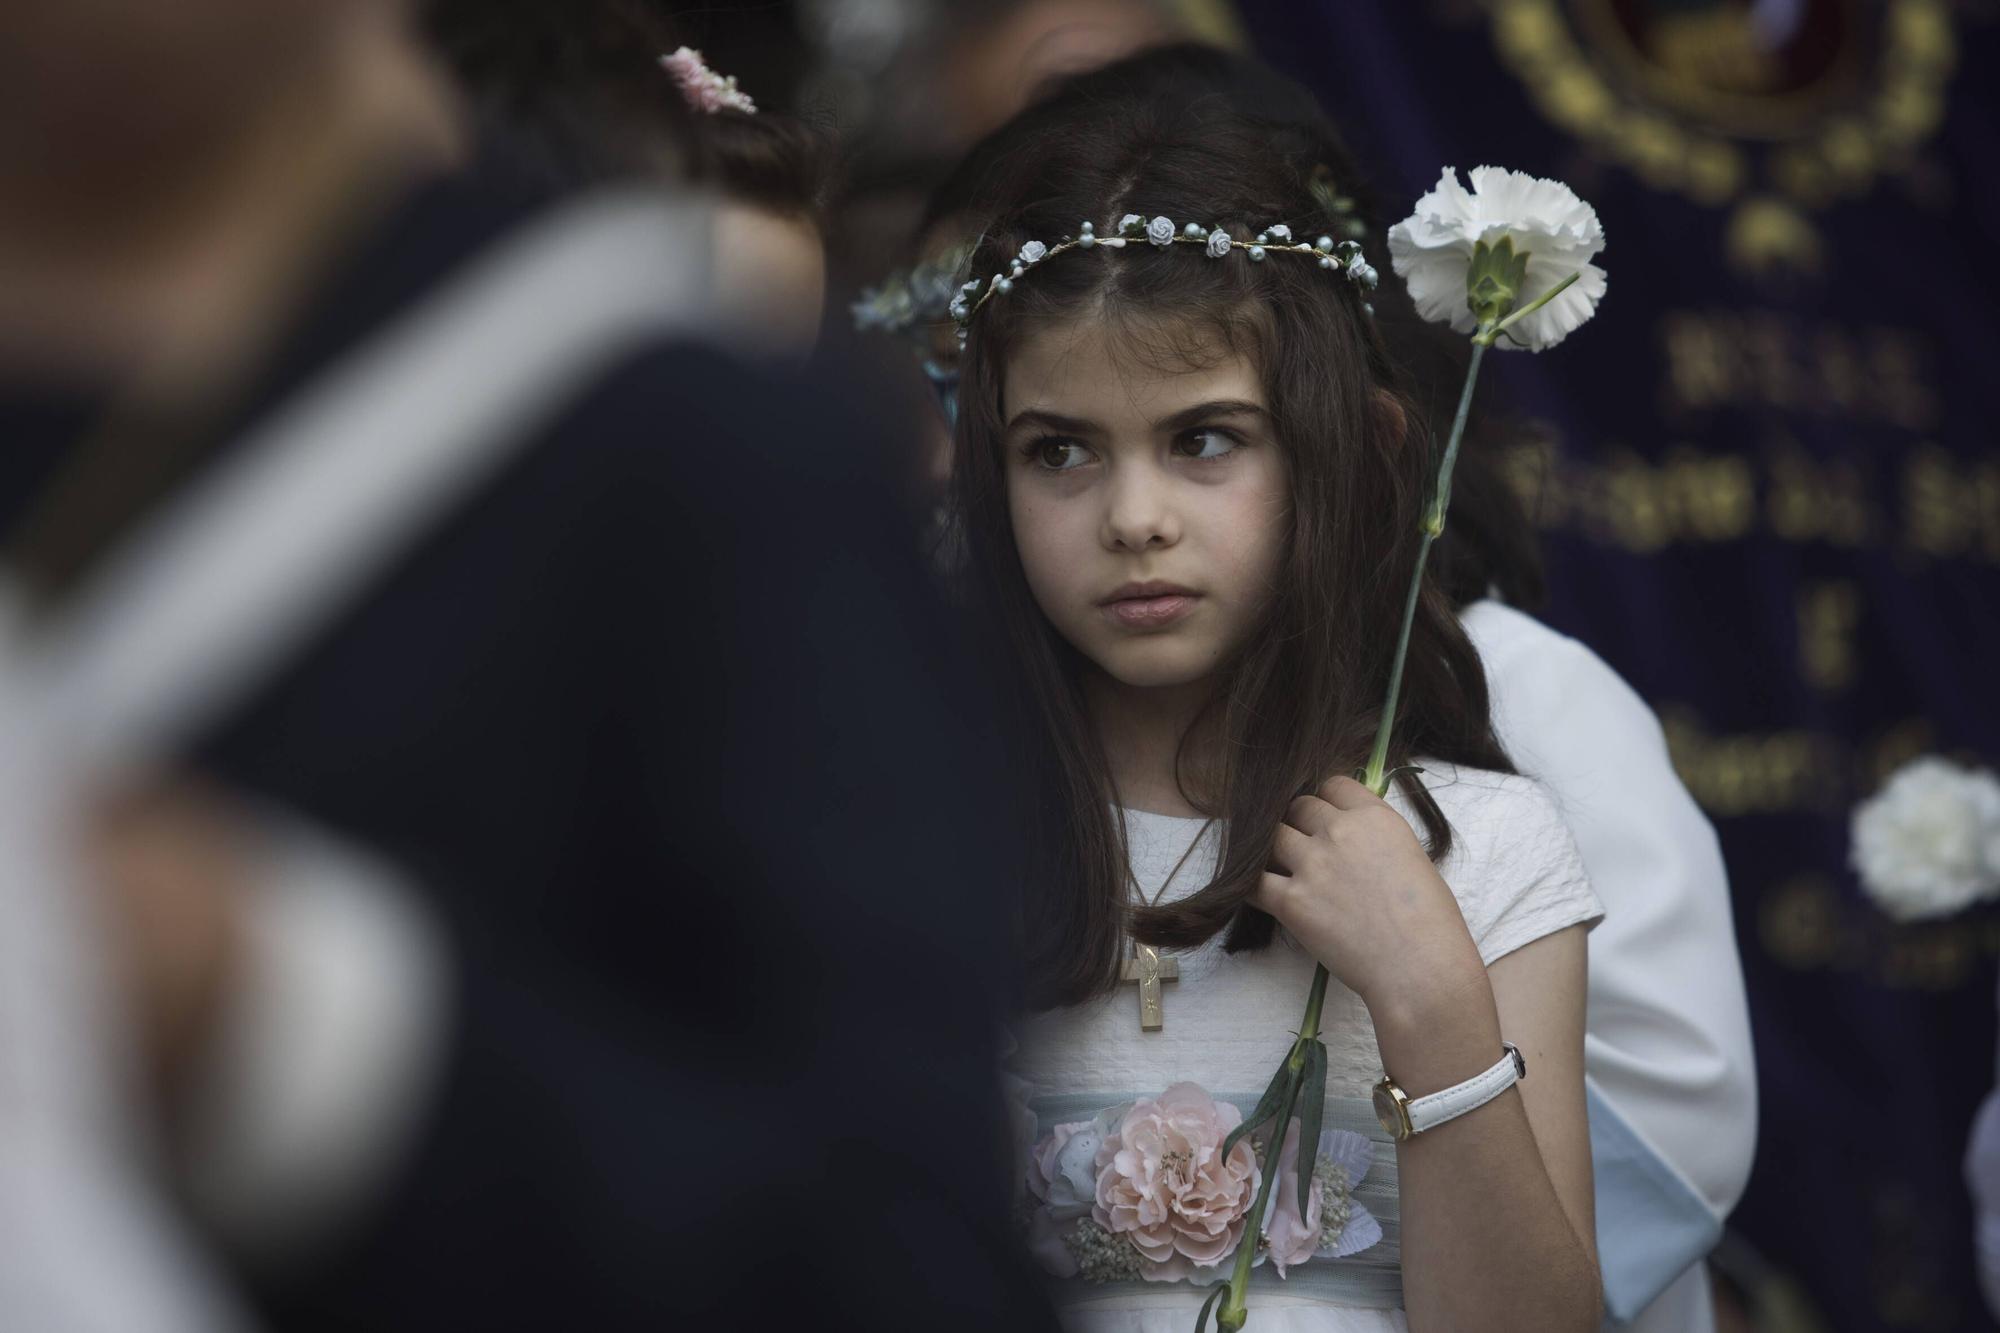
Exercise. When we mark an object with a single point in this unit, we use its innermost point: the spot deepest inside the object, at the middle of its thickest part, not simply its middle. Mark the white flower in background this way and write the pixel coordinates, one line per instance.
(1457, 238)
(1032, 251)
(1928, 843)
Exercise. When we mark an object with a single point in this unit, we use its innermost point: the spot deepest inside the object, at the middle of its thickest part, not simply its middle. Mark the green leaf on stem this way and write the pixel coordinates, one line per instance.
(1214, 1295)
(1266, 1109)
(1312, 1099)
(1389, 778)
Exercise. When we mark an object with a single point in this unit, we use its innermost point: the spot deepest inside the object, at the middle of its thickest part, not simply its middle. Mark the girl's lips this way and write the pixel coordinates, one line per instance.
(1150, 612)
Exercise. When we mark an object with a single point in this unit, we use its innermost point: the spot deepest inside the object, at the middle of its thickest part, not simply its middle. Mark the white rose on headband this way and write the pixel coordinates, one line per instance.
(1160, 231)
(1928, 843)
(1461, 254)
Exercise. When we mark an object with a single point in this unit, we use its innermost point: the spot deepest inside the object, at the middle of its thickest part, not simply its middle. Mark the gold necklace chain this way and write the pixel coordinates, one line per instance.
(1154, 901)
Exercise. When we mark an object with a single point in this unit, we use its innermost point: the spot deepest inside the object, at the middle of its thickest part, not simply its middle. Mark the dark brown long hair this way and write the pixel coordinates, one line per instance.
(1302, 696)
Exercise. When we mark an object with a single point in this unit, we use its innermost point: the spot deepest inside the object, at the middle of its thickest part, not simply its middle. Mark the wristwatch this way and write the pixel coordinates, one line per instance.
(1403, 1117)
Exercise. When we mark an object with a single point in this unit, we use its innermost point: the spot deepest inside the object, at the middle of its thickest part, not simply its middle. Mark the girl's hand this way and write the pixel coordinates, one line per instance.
(1353, 885)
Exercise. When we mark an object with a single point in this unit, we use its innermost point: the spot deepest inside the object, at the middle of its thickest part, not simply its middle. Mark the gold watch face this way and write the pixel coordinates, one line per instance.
(1388, 1111)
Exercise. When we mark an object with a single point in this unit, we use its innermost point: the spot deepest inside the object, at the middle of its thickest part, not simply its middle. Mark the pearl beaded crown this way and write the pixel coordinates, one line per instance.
(1215, 242)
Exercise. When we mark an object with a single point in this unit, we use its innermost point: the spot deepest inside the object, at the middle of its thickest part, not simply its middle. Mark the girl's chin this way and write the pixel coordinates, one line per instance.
(1156, 666)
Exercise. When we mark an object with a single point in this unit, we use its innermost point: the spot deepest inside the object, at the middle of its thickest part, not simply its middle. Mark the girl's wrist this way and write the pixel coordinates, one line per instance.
(1436, 1028)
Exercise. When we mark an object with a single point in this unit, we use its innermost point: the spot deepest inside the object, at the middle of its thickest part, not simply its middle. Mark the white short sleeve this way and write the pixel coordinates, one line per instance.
(1513, 866)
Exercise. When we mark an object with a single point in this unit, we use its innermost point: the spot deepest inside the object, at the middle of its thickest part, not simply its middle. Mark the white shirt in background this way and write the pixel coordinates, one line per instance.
(1668, 1040)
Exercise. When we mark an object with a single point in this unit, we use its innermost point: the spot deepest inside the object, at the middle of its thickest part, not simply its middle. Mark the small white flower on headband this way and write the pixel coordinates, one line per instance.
(705, 90)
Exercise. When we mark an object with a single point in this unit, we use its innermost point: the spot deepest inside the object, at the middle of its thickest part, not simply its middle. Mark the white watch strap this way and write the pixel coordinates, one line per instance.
(1432, 1111)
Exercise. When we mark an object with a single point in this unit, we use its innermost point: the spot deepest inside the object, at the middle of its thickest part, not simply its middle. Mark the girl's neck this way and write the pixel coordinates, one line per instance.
(1142, 732)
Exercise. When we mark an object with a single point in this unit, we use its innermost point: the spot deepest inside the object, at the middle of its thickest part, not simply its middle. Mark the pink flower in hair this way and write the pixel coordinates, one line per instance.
(704, 89)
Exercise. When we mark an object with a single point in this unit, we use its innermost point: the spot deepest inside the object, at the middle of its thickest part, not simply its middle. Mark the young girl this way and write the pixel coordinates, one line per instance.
(1190, 495)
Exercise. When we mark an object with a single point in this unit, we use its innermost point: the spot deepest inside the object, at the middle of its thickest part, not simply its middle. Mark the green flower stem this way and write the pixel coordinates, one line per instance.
(1376, 777)
(1235, 1309)
(1309, 1029)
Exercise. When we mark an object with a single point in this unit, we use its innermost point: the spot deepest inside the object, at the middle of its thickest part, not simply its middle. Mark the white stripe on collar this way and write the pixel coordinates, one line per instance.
(228, 578)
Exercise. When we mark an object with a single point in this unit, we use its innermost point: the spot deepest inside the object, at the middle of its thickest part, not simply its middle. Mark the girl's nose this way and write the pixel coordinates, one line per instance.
(1139, 514)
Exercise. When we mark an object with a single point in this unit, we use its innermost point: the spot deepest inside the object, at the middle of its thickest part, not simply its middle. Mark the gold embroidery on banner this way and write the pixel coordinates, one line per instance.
(1768, 359)
(1829, 613)
(1807, 924)
(1800, 926)
(1785, 771)
(1758, 773)
(1932, 505)
(1771, 111)
(1951, 508)
(1813, 500)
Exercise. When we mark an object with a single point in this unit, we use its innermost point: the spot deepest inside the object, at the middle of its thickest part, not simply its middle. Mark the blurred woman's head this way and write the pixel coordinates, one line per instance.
(580, 88)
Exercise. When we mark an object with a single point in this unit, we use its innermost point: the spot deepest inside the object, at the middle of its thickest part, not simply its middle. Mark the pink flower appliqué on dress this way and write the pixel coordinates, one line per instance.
(1163, 1184)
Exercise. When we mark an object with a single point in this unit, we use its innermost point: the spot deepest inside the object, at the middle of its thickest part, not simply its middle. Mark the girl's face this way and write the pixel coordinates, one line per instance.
(1150, 505)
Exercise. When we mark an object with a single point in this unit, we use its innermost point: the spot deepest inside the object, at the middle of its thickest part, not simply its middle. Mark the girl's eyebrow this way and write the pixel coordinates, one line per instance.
(1179, 421)
(1200, 412)
(1035, 416)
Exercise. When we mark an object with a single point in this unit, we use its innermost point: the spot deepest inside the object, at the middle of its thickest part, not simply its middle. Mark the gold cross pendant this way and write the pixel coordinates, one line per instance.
(1146, 967)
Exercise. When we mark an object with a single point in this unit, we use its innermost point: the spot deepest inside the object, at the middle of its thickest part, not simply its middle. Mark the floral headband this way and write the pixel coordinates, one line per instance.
(705, 90)
(911, 300)
(1216, 243)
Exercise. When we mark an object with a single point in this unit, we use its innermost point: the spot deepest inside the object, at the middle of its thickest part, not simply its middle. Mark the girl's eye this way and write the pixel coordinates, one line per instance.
(1207, 443)
(1058, 454)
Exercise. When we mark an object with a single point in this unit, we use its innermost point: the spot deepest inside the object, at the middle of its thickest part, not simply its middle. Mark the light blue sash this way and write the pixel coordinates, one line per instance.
(1372, 1279)
(1651, 1225)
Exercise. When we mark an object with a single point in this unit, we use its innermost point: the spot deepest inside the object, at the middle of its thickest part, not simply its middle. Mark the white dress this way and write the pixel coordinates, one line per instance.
(1517, 877)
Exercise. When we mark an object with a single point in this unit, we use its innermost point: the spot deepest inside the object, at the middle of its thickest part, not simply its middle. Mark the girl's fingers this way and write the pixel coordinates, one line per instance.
(1289, 849)
(1347, 794)
(1309, 814)
(1272, 893)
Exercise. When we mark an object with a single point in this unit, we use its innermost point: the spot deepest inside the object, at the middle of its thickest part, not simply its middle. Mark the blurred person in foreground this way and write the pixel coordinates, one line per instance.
(467, 763)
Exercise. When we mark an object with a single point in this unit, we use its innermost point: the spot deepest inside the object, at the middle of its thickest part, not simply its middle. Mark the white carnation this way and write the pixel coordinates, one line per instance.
(1432, 250)
(1928, 843)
